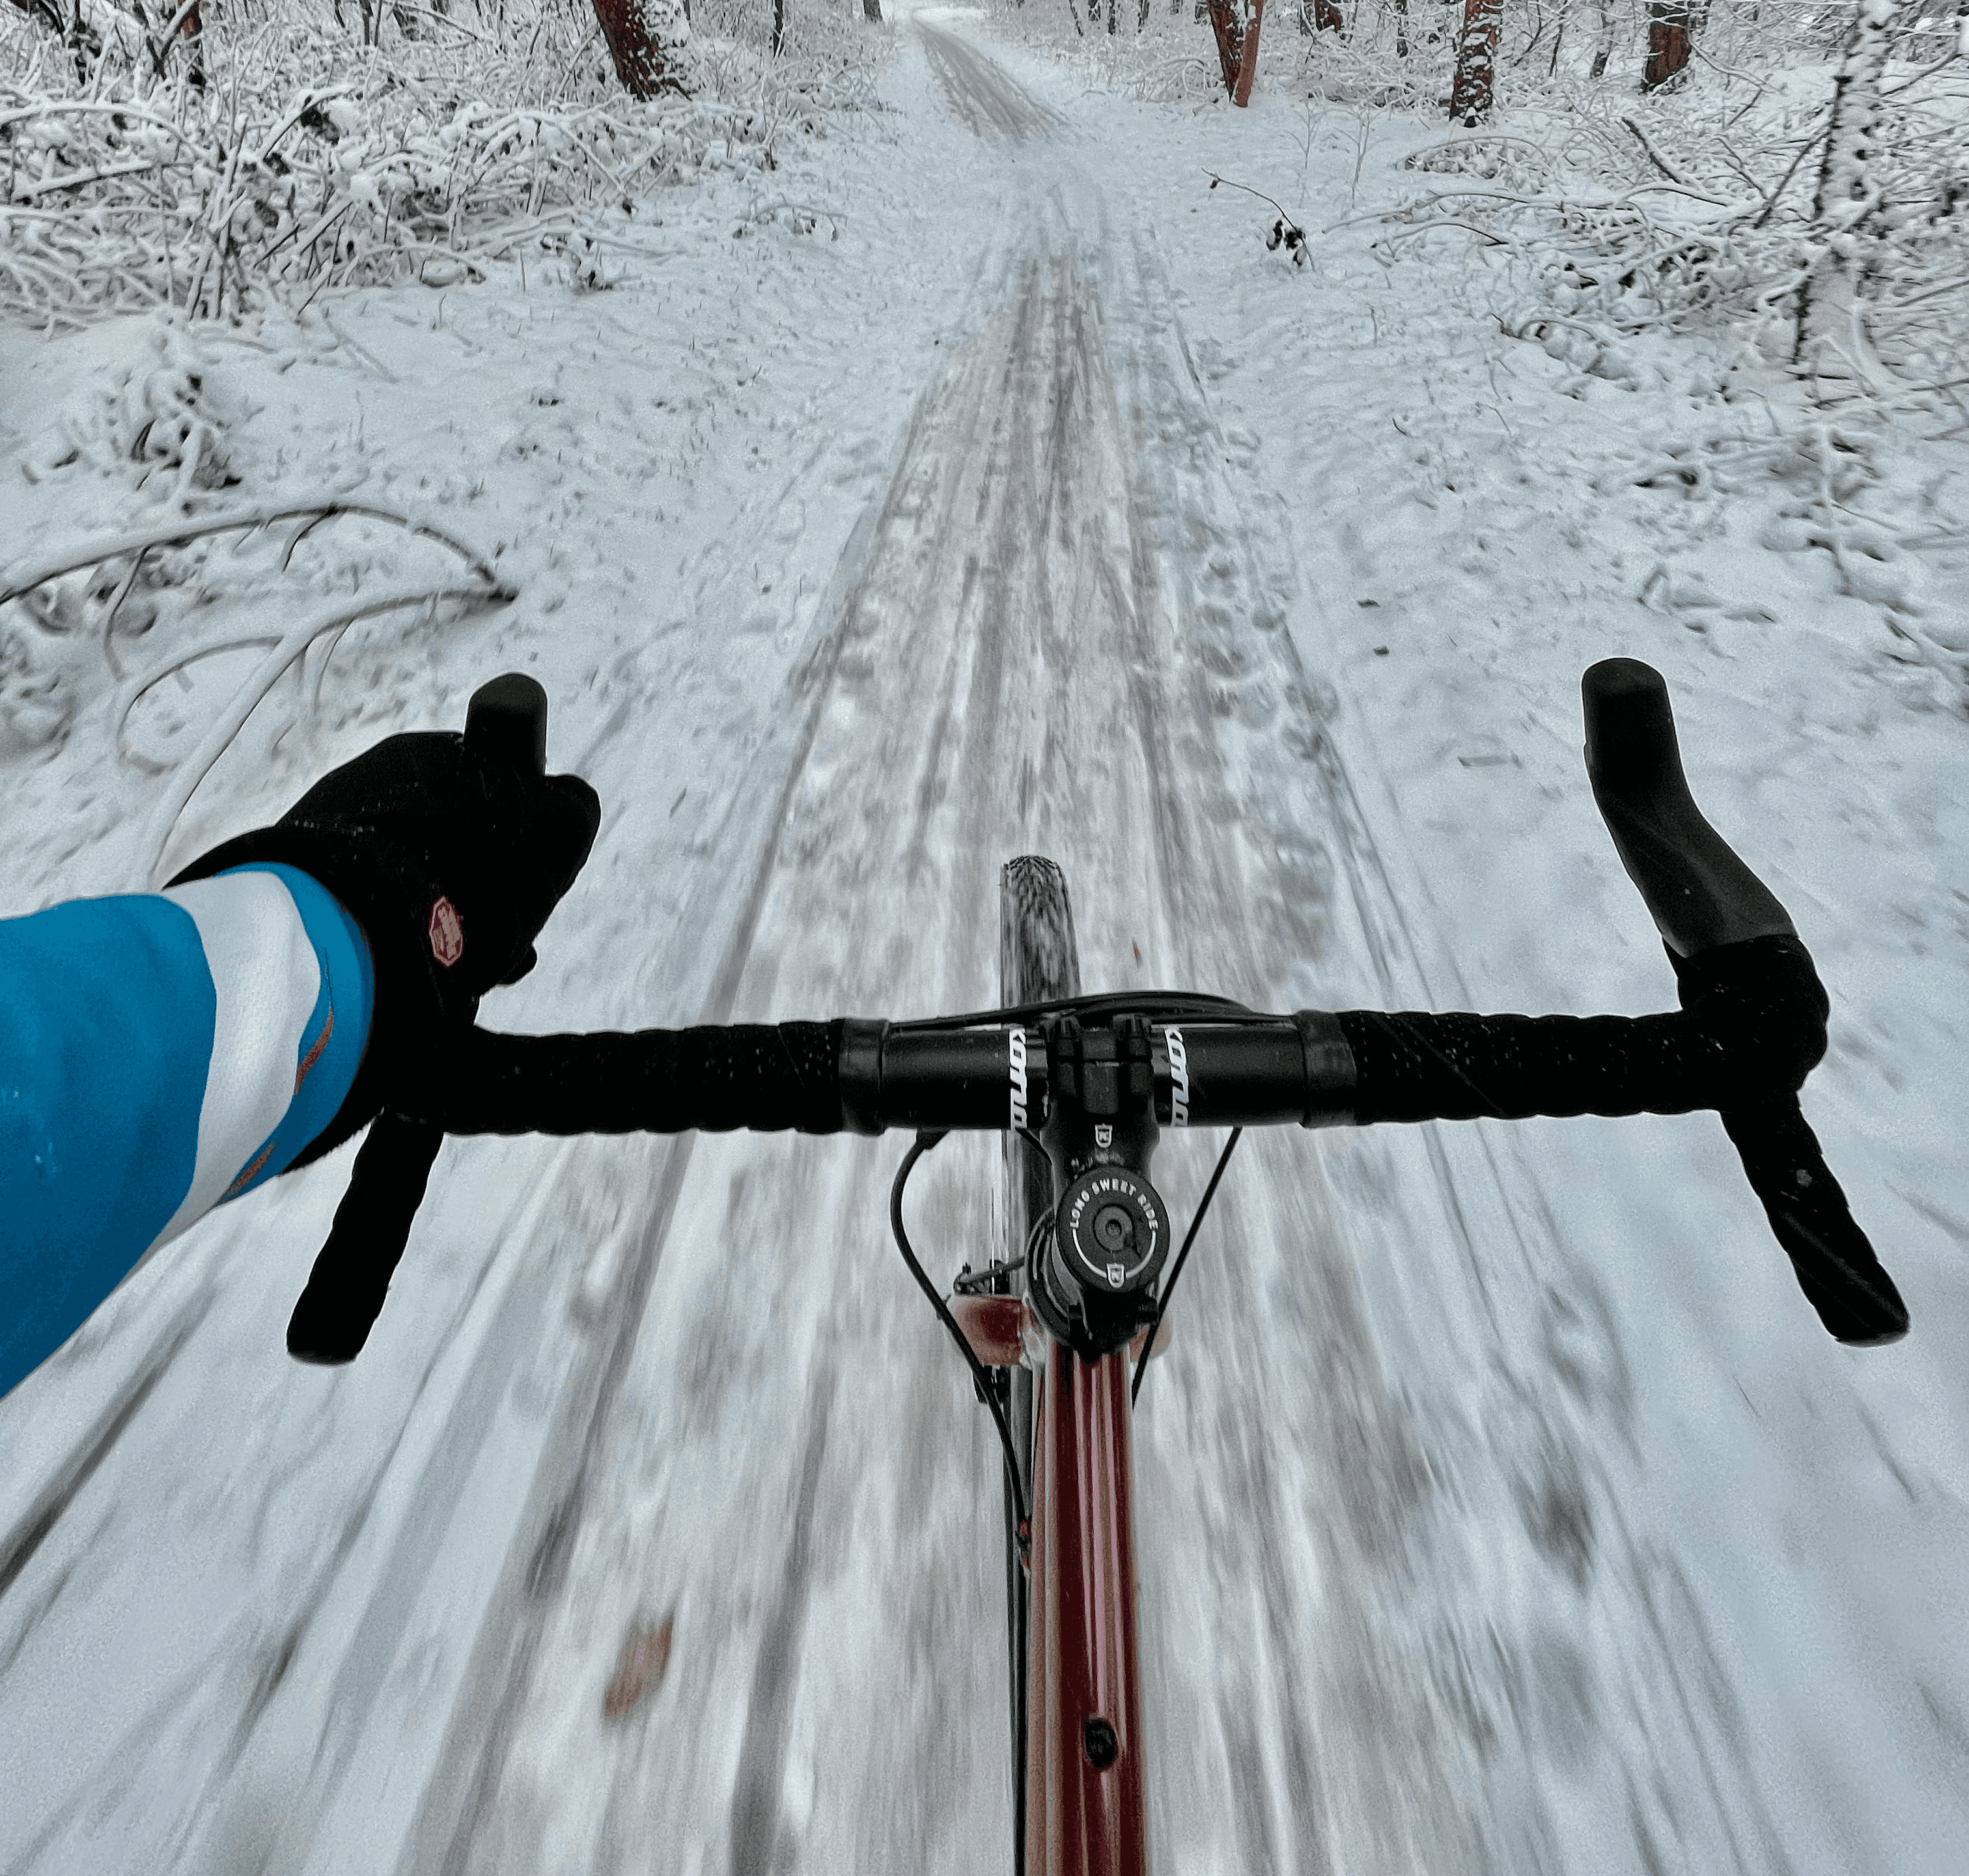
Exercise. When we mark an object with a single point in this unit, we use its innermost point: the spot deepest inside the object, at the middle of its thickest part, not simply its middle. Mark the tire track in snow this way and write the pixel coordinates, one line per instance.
(1050, 647)
(31, 1531)
(502, 1672)
(948, 633)
(986, 98)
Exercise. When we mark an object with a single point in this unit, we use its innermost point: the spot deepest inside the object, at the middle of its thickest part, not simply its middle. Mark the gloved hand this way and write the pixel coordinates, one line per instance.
(450, 851)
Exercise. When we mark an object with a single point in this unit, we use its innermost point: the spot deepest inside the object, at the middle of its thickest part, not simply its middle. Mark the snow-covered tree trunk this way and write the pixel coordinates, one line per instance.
(1247, 56)
(1476, 59)
(646, 39)
(1670, 29)
(192, 31)
(1848, 197)
(1229, 30)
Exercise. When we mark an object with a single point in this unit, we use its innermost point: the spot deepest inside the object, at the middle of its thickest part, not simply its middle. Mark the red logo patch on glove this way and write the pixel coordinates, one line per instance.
(447, 933)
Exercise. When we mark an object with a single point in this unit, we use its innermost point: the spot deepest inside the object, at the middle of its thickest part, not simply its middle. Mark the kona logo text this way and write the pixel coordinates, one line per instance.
(1178, 1059)
(1018, 1046)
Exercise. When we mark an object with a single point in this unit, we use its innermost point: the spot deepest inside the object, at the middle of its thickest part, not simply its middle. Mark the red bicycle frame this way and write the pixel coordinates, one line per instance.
(1084, 1818)
(1085, 1793)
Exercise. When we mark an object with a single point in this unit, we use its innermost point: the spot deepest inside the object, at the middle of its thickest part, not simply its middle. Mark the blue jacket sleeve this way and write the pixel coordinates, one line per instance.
(159, 1054)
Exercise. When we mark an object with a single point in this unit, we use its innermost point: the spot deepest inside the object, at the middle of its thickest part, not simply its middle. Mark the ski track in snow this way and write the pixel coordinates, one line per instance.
(1499, 1508)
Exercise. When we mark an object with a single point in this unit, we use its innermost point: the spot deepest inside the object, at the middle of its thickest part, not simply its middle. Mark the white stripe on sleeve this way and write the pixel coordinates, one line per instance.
(268, 980)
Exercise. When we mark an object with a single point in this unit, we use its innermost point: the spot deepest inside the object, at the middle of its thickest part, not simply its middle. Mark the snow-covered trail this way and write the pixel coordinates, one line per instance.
(853, 571)
(790, 1459)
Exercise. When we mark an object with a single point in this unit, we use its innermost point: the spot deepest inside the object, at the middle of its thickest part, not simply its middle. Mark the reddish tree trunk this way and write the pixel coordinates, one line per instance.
(1476, 61)
(1326, 17)
(1247, 57)
(639, 59)
(194, 31)
(1230, 31)
(1669, 28)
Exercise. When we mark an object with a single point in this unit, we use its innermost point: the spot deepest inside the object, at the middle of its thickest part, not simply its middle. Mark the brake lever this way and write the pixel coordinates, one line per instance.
(506, 722)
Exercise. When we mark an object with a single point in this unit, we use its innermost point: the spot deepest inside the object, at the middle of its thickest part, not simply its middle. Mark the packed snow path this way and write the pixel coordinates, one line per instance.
(998, 578)
(1016, 668)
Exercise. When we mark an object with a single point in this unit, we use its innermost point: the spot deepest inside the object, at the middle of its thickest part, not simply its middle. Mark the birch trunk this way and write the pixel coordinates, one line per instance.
(1828, 336)
(1476, 60)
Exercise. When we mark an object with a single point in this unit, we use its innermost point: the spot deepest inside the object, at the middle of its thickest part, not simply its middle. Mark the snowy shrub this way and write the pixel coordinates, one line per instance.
(1160, 52)
(1705, 207)
(288, 148)
(1698, 228)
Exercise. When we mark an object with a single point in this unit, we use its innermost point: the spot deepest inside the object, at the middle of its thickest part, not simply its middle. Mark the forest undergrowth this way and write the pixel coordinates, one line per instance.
(191, 198)
(293, 147)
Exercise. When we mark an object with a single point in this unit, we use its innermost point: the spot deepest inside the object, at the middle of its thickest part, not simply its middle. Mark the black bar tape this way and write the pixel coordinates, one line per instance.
(1834, 1264)
(770, 1078)
(1751, 1027)
(350, 1277)
(1331, 1075)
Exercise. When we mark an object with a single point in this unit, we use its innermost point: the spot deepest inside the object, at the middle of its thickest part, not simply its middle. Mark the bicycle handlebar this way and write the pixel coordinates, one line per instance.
(1314, 1068)
(1751, 1027)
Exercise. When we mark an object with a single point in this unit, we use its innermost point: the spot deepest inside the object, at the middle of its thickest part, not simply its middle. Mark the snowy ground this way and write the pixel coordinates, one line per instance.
(980, 484)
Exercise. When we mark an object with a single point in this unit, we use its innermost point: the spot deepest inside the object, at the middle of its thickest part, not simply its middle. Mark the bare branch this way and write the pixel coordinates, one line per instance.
(73, 559)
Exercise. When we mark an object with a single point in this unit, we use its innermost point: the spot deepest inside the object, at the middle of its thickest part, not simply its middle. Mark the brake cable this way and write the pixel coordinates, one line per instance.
(970, 1282)
(1159, 1003)
(1175, 1269)
(925, 1142)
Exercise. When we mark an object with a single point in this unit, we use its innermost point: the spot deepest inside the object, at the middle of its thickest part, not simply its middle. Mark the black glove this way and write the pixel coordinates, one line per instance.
(450, 851)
